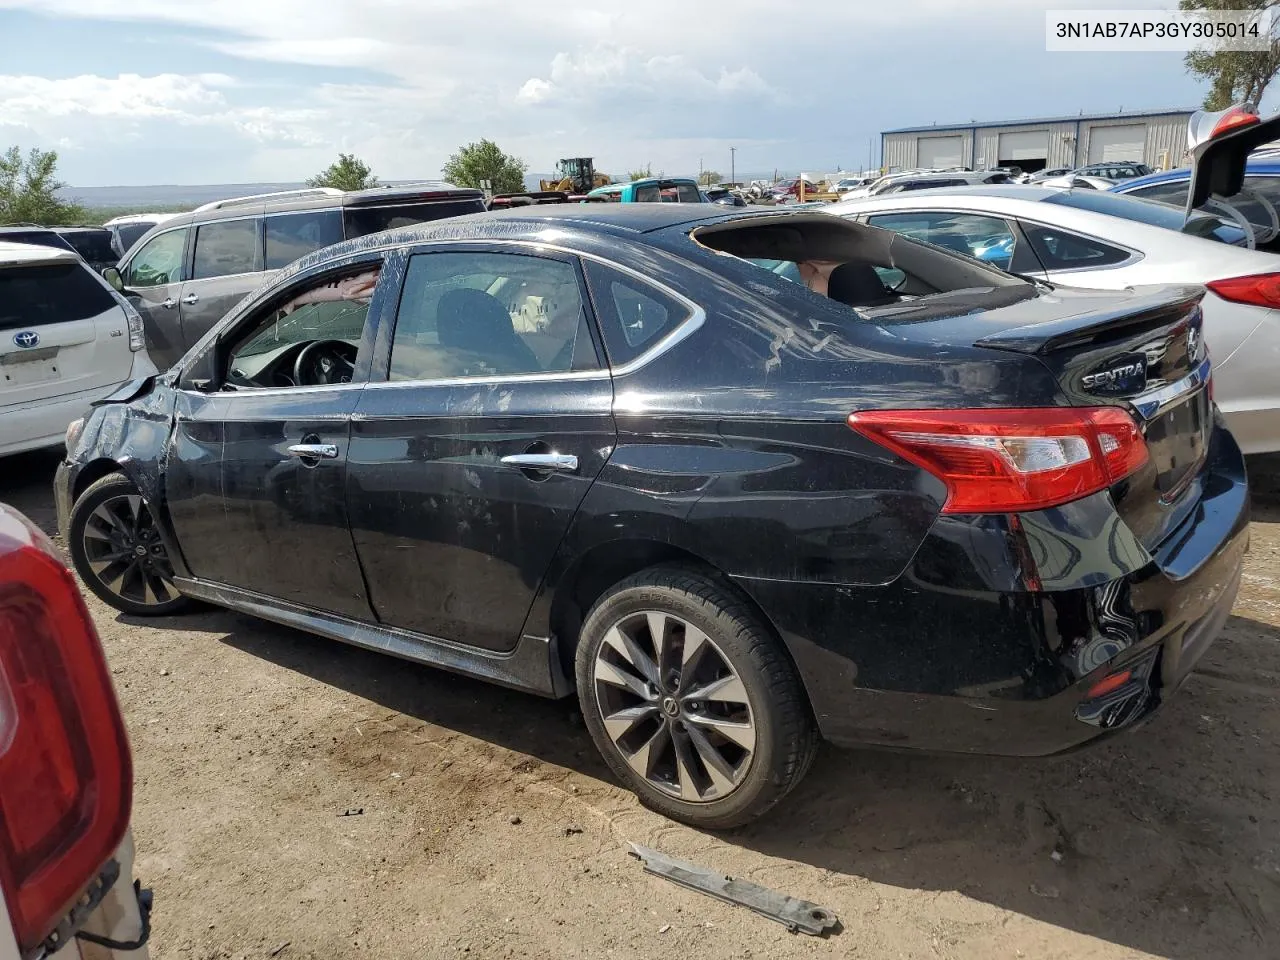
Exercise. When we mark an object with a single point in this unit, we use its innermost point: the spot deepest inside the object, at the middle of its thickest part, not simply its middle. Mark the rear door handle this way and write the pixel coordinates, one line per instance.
(314, 451)
(168, 303)
(191, 298)
(559, 462)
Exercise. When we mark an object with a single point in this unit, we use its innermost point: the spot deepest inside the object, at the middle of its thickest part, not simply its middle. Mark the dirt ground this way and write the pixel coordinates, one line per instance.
(483, 824)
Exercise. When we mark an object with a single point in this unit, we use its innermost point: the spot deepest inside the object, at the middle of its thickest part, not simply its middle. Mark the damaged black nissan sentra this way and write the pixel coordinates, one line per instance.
(740, 481)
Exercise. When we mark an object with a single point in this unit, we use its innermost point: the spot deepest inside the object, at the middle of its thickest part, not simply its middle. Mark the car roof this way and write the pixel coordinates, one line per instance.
(294, 201)
(563, 221)
(23, 253)
(1252, 167)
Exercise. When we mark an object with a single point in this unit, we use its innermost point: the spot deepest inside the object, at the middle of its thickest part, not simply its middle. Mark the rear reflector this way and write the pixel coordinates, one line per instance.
(1008, 460)
(65, 769)
(1260, 290)
(1113, 682)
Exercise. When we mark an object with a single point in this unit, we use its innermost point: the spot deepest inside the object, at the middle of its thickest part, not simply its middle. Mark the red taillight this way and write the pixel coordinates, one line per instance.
(66, 777)
(1009, 460)
(1234, 119)
(1260, 289)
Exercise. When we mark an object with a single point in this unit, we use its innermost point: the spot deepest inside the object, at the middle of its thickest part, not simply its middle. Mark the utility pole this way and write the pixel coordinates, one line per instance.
(733, 173)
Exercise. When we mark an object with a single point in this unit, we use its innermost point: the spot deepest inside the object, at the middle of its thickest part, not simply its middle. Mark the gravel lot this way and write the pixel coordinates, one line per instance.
(484, 825)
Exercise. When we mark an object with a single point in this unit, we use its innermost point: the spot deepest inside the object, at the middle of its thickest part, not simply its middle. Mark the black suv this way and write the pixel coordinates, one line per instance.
(190, 270)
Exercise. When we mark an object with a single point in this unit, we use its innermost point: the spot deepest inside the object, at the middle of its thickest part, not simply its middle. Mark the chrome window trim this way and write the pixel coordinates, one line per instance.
(1154, 402)
(277, 391)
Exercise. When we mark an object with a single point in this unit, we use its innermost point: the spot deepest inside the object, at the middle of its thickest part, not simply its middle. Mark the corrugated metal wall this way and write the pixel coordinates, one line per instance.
(1165, 146)
(1166, 138)
(1060, 146)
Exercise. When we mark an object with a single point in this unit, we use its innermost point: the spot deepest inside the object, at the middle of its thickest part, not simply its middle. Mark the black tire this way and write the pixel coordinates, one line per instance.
(784, 739)
(143, 584)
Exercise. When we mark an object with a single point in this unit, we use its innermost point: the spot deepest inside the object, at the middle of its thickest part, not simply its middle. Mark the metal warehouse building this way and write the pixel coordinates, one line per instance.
(1158, 139)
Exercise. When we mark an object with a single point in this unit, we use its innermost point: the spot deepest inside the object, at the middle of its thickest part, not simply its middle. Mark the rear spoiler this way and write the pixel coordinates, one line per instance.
(1153, 307)
(1220, 143)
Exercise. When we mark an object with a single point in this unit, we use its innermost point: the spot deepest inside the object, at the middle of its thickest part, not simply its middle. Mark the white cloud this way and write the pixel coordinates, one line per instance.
(663, 82)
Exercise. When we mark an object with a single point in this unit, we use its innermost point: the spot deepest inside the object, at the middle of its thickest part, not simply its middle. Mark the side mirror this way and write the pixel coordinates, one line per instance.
(112, 276)
(200, 373)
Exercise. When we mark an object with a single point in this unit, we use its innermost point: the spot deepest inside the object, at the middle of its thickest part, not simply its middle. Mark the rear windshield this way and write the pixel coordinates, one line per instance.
(360, 221)
(37, 238)
(93, 245)
(1154, 214)
(50, 293)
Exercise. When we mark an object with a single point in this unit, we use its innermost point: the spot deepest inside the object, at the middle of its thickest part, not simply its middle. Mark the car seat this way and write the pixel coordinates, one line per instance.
(478, 323)
(858, 285)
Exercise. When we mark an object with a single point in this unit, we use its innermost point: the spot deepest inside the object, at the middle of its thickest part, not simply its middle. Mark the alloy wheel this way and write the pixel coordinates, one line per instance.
(674, 706)
(125, 553)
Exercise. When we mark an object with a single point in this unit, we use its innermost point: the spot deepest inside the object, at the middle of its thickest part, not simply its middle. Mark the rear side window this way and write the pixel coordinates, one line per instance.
(688, 193)
(1174, 192)
(480, 314)
(633, 314)
(293, 235)
(93, 245)
(50, 293)
(362, 221)
(226, 249)
(650, 193)
(1060, 250)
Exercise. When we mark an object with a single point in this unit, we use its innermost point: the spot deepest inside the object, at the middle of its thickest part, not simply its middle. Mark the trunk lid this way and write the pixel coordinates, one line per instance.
(1141, 349)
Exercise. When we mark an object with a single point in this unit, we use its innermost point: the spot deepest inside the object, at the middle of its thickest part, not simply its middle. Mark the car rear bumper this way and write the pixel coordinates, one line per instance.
(939, 660)
(43, 423)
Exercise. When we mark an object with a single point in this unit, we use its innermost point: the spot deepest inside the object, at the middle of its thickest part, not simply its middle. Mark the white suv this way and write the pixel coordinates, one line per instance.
(66, 339)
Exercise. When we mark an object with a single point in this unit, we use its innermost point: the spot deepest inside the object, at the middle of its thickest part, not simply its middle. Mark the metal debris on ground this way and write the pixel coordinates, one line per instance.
(276, 952)
(352, 812)
(796, 915)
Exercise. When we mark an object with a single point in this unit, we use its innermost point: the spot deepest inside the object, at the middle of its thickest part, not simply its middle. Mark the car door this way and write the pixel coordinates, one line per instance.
(226, 266)
(152, 281)
(257, 469)
(470, 459)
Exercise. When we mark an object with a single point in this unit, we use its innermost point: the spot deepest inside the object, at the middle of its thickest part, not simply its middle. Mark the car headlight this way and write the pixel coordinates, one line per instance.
(74, 429)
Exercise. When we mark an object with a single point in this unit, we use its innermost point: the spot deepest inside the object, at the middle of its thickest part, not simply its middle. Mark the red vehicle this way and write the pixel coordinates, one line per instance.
(66, 773)
(791, 188)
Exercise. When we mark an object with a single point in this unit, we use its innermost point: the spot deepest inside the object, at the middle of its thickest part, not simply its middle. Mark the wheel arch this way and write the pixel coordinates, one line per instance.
(610, 562)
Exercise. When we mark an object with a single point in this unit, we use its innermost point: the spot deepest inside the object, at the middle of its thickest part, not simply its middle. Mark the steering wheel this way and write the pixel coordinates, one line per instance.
(324, 362)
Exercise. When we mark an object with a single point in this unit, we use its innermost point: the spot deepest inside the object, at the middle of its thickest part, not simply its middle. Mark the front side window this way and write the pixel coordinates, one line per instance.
(294, 235)
(227, 248)
(311, 339)
(159, 262)
(633, 314)
(1060, 250)
(986, 238)
(489, 314)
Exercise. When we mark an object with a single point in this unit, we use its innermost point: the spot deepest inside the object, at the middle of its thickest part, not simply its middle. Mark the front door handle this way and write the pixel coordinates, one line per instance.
(168, 303)
(559, 462)
(314, 451)
(191, 298)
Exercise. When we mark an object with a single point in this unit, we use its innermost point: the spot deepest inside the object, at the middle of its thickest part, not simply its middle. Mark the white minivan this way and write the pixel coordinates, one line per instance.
(66, 339)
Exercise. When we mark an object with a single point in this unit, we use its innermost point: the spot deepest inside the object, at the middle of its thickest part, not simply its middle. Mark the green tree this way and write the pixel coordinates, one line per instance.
(29, 189)
(485, 160)
(708, 177)
(1234, 75)
(349, 172)
(644, 174)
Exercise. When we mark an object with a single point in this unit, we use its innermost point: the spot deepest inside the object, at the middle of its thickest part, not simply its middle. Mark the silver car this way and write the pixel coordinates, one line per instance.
(1090, 238)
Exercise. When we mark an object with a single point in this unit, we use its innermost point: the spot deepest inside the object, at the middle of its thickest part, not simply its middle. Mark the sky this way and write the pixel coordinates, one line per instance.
(133, 92)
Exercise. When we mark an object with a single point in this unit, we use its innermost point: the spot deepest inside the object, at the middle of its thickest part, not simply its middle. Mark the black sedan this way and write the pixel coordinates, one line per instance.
(737, 480)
